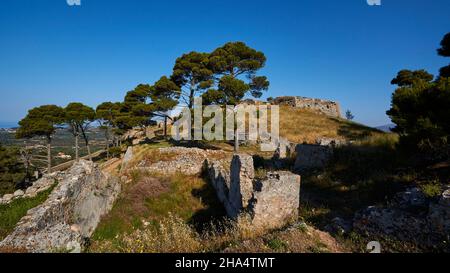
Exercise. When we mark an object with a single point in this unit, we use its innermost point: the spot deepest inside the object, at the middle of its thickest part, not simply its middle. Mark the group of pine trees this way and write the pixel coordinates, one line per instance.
(420, 108)
(224, 76)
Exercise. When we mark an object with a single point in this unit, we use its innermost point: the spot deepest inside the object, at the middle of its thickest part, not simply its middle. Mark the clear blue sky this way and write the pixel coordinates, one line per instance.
(344, 50)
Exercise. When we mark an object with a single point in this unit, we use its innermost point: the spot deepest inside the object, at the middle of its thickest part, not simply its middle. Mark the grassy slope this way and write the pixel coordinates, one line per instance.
(11, 214)
(306, 126)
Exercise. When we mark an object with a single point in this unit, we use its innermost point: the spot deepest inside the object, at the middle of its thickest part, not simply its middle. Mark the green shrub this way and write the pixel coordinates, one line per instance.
(431, 189)
(276, 244)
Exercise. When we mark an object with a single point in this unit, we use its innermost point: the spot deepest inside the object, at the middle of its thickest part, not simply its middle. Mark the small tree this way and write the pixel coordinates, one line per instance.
(444, 51)
(42, 121)
(79, 117)
(349, 115)
(107, 114)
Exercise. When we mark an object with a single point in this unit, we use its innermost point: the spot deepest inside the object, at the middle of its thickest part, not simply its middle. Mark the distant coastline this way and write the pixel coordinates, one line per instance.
(8, 125)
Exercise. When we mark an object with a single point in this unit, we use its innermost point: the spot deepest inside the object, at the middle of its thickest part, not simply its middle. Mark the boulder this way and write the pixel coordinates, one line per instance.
(18, 193)
(312, 157)
(8, 197)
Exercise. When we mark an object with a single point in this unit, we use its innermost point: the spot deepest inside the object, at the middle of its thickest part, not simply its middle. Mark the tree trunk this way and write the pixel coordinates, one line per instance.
(49, 156)
(107, 143)
(89, 151)
(165, 127)
(77, 154)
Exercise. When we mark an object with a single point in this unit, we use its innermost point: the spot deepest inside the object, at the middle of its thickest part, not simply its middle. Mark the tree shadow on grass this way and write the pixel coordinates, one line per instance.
(354, 131)
(213, 212)
(204, 145)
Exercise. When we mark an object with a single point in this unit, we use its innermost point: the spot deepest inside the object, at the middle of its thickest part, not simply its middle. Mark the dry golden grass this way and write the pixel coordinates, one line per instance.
(306, 126)
(173, 235)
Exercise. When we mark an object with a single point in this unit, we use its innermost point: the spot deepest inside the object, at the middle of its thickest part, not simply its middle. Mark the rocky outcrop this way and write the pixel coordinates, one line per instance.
(39, 186)
(409, 217)
(127, 157)
(270, 202)
(188, 161)
(70, 214)
(326, 107)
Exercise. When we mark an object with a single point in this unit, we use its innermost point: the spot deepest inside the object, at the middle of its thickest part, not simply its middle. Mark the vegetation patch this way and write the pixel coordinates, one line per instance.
(11, 214)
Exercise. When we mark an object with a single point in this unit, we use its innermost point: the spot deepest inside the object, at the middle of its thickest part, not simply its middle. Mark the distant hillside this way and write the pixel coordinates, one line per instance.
(386, 128)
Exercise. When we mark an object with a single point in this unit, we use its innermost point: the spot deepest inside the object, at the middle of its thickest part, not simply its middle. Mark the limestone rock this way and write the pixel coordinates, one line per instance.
(8, 197)
(270, 203)
(82, 197)
(18, 193)
(127, 157)
(329, 108)
(188, 161)
(242, 175)
(312, 157)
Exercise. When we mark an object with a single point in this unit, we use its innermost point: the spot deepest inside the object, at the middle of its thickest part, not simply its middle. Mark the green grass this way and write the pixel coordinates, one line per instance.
(187, 197)
(276, 244)
(11, 214)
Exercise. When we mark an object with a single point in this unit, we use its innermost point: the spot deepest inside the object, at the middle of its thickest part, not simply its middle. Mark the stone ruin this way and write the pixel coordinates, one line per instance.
(69, 215)
(271, 202)
(329, 108)
(305, 156)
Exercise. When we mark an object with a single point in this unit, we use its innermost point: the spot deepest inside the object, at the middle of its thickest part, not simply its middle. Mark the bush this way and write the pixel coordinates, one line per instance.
(115, 151)
(12, 170)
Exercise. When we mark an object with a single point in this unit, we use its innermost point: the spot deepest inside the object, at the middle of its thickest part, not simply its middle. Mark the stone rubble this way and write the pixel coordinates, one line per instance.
(43, 184)
(409, 217)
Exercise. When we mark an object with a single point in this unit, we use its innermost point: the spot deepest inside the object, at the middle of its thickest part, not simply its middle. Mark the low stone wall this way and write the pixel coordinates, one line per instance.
(326, 107)
(188, 161)
(41, 185)
(271, 202)
(69, 215)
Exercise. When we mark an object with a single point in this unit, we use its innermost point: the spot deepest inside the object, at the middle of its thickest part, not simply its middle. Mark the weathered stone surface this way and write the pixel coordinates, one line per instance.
(189, 161)
(81, 198)
(242, 175)
(18, 193)
(276, 200)
(409, 217)
(312, 157)
(271, 202)
(329, 108)
(285, 149)
(8, 197)
(127, 157)
(334, 142)
(38, 186)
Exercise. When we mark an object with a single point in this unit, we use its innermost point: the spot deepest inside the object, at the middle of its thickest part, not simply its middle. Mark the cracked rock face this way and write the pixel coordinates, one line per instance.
(271, 202)
(69, 215)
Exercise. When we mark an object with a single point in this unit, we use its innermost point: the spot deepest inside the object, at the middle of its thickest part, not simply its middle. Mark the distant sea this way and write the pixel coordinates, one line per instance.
(7, 125)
